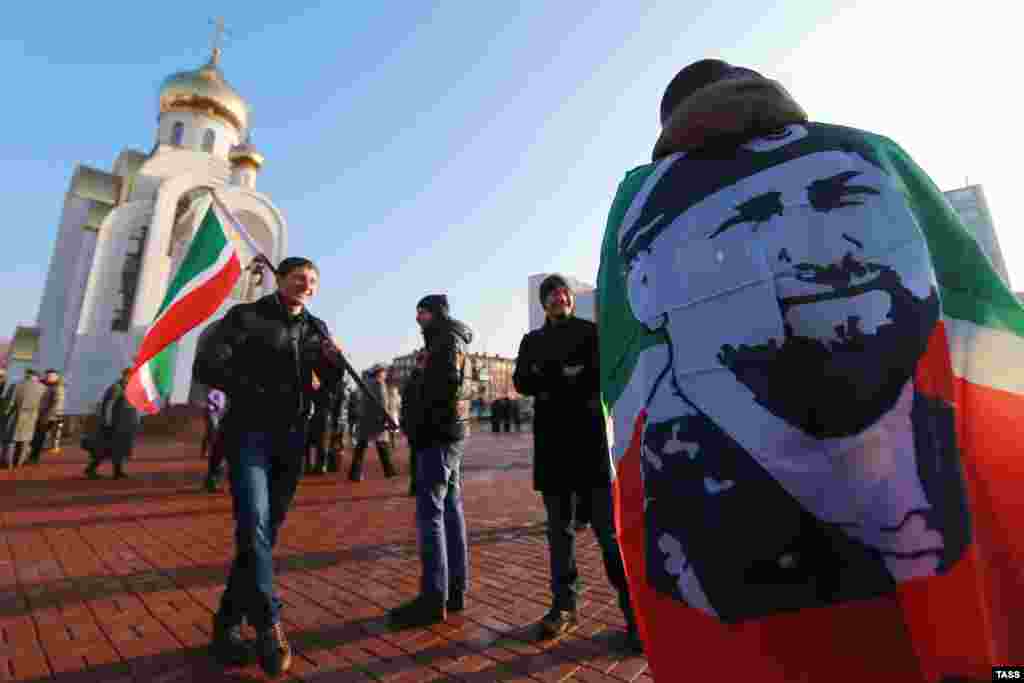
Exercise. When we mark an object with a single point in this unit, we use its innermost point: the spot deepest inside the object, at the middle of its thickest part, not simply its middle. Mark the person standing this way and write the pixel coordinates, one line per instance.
(410, 411)
(27, 400)
(216, 408)
(373, 426)
(117, 425)
(558, 364)
(263, 355)
(355, 415)
(338, 427)
(50, 412)
(441, 424)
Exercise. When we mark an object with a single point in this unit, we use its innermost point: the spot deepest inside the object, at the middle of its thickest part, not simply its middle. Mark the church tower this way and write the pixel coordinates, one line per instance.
(124, 232)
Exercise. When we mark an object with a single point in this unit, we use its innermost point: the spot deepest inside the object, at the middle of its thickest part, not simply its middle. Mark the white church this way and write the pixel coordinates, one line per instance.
(123, 232)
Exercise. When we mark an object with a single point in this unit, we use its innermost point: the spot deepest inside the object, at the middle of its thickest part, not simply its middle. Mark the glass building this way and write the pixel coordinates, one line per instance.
(969, 202)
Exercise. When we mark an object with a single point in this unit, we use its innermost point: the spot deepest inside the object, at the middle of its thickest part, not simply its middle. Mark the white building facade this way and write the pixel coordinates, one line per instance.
(123, 233)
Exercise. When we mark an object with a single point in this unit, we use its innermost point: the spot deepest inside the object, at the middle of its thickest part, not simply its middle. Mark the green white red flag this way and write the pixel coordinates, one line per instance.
(205, 278)
(721, 293)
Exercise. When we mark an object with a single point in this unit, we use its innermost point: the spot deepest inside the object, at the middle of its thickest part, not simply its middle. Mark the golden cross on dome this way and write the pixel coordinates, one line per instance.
(219, 31)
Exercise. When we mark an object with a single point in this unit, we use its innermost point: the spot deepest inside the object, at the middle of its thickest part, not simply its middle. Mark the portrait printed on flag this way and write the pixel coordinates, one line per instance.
(792, 454)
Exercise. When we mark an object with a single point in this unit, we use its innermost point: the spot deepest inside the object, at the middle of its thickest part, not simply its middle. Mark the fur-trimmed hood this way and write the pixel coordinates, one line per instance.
(727, 108)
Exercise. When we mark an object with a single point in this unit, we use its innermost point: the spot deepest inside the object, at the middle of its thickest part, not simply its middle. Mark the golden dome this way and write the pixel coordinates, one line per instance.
(245, 153)
(204, 90)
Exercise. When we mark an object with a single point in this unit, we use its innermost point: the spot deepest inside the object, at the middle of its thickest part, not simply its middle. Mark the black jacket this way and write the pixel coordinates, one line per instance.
(558, 365)
(263, 359)
(444, 395)
(410, 410)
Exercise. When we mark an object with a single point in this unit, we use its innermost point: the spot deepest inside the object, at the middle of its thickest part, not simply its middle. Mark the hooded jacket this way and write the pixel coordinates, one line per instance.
(444, 395)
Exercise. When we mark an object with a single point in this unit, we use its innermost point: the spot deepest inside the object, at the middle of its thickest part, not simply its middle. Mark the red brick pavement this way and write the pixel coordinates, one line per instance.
(116, 580)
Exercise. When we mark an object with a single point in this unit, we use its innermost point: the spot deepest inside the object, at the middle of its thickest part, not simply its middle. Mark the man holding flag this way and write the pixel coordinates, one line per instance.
(813, 374)
(263, 356)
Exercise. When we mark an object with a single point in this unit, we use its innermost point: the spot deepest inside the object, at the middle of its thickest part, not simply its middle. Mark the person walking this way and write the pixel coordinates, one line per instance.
(51, 410)
(27, 400)
(373, 426)
(558, 365)
(440, 424)
(117, 426)
(263, 355)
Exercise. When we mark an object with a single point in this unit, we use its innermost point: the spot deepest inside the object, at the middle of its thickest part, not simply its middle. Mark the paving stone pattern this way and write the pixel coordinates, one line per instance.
(117, 580)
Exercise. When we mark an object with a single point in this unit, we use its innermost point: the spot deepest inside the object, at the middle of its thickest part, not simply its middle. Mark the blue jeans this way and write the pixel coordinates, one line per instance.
(440, 520)
(562, 509)
(264, 472)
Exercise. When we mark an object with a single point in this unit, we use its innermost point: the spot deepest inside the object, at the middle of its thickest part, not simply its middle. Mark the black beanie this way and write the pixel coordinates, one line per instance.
(550, 283)
(292, 262)
(696, 76)
(435, 303)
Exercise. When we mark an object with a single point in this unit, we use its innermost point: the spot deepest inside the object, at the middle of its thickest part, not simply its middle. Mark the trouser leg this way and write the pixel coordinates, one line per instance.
(562, 550)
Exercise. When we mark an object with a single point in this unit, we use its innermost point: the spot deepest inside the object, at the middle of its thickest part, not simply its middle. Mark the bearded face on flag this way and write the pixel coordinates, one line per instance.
(791, 457)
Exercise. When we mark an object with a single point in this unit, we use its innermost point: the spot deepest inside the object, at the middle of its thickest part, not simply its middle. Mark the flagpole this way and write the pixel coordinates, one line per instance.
(261, 257)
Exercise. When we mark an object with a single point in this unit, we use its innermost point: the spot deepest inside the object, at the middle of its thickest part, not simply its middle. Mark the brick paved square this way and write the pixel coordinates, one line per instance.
(116, 580)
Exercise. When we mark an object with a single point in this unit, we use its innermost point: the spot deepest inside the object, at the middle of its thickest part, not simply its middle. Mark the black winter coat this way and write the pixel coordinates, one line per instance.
(443, 399)
(558, 365)
(264, 360)
(410, 410)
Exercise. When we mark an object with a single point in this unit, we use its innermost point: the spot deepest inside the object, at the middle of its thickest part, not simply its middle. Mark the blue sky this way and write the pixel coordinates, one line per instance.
(458, 147)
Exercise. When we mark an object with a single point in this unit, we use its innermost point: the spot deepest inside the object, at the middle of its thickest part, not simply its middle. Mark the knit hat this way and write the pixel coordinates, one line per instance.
(551, 283)
(292, 263)
(435, 303)
(695, 76)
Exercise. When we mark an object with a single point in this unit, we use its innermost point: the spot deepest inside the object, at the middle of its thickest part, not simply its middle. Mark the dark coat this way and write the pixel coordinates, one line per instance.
(119, 434)
(372, 422)
(558, 365)
(444, 395)
(410, 410)
(264, 360)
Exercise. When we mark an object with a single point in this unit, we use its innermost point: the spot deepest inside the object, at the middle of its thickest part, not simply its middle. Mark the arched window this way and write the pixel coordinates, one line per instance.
(209, 137)
(178, 133)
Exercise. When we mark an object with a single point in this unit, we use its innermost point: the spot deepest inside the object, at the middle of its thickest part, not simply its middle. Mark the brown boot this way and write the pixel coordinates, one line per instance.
(275, 651)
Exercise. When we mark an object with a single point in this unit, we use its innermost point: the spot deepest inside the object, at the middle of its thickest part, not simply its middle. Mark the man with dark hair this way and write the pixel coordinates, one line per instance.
(117, 426)
(558, 364)
(440, 428)
(28, 396)
(263, 355)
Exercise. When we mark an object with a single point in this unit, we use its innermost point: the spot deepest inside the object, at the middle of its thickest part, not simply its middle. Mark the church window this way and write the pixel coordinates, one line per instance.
(209, 137)
(178, 134)
(130, 280)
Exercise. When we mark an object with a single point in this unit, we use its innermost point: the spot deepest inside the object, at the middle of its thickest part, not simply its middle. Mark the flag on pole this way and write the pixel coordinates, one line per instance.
(205, 278)
(814, 379)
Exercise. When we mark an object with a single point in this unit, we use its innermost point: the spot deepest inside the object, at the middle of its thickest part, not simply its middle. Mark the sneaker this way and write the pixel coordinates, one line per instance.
(421, 611)
(275, 652)
(456, 601)
(228, 647)
(558, 622)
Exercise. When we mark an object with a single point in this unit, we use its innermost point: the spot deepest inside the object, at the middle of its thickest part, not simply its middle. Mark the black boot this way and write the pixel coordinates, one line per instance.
(228, 647)
(275, 651)
(424, 610)
(456, 600)
(384, 450)
(355, 473)
(90, 470)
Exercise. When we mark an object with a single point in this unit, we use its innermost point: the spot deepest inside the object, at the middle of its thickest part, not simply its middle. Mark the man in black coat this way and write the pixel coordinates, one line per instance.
(263, 355)
(118, 424)
(558, 365)
(439, 429)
